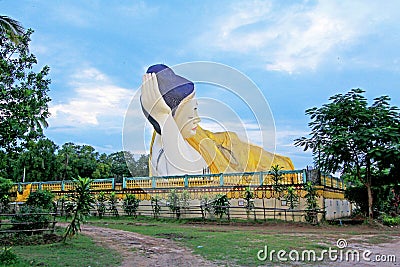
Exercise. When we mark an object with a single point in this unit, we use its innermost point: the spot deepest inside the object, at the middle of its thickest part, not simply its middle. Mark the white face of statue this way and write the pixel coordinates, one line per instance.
(186, 118)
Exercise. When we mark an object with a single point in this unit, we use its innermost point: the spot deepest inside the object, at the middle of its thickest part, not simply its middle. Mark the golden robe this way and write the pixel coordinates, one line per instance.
(224, 152)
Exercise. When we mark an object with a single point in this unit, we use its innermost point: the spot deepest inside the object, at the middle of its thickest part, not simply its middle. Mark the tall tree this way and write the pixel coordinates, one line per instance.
(38, 162)
(103, 169)
(87, 160)
(11, 28)
(119, 166)
(66, 158)
(23, 94)
(77, 160)
(349, 136)
(140, 166)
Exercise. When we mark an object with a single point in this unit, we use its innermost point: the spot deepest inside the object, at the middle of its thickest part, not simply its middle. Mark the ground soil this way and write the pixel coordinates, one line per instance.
(140, 250)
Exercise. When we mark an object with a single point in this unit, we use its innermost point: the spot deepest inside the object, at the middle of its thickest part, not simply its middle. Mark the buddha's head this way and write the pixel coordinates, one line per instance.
(178, 93)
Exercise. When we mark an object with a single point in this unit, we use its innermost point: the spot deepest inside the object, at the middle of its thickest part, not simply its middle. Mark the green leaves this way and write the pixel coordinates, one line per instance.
(24, 99)
(82, 201)
(130, 204)
(348, 135)
(348, 132)
(221, 205)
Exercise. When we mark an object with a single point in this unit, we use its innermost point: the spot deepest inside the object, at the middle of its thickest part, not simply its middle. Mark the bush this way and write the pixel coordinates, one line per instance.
(5, 186)
(386, 198)
(42, 199)
(112, 201)
(7, 257)
(390, 221)
(131, 204)
(221, 205)
(28, 218)
(101, 204)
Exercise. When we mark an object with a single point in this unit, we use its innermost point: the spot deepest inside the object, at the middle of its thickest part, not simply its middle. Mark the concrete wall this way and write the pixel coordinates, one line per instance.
(335, 208)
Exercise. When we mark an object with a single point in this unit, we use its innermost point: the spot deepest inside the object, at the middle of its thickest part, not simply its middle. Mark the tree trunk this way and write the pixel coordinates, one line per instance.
(369, 191)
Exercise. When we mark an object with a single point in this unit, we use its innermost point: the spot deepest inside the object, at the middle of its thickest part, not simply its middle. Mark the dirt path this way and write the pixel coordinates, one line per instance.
(140, 250)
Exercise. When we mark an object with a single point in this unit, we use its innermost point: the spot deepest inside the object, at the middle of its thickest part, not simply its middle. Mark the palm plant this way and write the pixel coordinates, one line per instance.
(248, 195)
(101, 205)
(83, 202)
(277, 177)
(312, 203)
(112, 201)
(292, 198)
(221, 205)
(155, 205)
(131, 204)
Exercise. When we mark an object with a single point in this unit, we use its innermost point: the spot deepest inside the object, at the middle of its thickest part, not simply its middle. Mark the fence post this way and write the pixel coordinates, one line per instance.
(124, 183)
(261, 179)
(304, 176)
(221, 179)
(186, 181)
(113, 183)
(153, 182)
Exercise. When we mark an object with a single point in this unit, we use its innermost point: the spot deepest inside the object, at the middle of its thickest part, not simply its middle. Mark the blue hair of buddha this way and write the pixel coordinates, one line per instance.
(173, 89)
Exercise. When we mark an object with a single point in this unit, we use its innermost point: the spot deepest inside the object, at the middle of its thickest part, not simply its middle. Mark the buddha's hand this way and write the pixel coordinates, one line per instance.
(152, 100)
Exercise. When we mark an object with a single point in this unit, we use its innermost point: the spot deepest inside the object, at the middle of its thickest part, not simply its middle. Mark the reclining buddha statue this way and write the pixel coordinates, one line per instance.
(180, 146)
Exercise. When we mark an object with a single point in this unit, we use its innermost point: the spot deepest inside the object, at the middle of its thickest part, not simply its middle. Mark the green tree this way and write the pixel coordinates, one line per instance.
(103, 169)
(119, 167)
(77, 160)
(66, 157)
(87, 161)
(38, 162)
(23, 94)
(348, 135)
(11, 28)
(140, 166)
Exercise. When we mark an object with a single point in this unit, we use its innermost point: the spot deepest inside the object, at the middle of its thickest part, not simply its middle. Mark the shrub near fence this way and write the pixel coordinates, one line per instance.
(28, 221)
(230, 212)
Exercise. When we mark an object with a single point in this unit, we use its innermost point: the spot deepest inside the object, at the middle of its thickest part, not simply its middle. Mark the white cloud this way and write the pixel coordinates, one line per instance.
(299, 36)
(96, 102)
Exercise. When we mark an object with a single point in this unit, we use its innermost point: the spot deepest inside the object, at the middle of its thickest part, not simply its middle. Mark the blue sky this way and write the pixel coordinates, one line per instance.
(298, 53)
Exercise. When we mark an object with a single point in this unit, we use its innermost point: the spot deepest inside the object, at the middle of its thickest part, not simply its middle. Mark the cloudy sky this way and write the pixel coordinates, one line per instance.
(297, 53)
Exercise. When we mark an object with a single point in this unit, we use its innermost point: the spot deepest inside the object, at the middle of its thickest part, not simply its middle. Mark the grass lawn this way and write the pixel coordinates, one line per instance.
(80, 251)
(221, 243)
(231, 244)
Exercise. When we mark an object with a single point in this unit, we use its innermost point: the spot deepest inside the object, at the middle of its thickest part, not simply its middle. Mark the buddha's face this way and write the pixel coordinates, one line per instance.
(186, 118)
